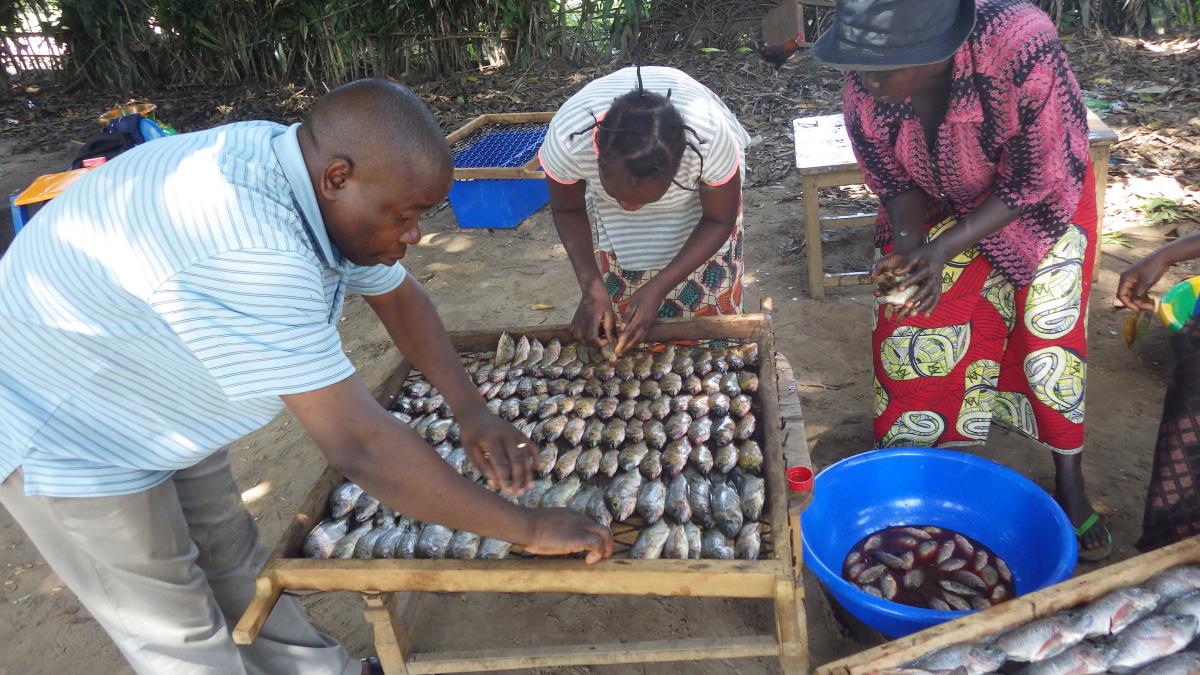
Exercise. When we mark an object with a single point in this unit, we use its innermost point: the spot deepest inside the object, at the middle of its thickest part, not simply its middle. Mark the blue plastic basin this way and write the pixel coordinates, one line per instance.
(988, 502)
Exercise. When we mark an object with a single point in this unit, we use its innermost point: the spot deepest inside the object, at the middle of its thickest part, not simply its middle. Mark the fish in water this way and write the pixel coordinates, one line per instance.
(1044, 638)
(971, 658)
(650, 541)
(1151, 638)
(324, 537)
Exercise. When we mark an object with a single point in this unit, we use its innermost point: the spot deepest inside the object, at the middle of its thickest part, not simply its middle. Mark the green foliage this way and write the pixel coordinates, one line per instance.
(1160, 210)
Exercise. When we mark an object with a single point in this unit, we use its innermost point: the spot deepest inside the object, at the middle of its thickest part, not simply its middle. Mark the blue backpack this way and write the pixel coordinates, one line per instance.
(117, 136)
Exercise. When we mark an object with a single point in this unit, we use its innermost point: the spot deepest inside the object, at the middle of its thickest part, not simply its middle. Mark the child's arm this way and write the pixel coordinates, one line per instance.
(1137, 279)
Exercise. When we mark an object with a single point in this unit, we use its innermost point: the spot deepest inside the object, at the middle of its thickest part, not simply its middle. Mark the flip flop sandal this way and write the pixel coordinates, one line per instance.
(373, 667)
(1100, 552)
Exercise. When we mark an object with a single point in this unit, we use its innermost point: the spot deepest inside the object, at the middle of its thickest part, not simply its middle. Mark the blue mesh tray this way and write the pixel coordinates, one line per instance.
(498, 203)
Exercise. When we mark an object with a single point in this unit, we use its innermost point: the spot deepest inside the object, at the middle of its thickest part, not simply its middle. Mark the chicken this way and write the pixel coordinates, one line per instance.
(776, 55)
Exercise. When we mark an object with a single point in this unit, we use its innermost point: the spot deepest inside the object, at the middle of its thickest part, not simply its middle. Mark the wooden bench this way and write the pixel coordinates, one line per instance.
(825, 159)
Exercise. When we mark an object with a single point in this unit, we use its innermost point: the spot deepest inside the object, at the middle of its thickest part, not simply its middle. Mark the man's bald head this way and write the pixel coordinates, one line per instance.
(377, 160)
(377, 123)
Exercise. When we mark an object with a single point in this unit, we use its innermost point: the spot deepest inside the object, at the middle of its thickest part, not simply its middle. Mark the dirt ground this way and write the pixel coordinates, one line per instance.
(482, 278)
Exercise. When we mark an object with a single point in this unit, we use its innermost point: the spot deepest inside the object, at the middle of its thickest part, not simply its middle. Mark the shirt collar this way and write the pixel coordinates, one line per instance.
(291, 160)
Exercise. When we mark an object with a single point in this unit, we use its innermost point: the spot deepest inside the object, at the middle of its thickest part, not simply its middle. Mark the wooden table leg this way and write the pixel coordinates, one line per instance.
(811, 195)
(392, 642)
(1100, 154)
(791, 626)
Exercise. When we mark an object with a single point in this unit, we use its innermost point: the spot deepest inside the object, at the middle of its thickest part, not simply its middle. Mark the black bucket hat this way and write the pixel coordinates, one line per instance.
(891, 34)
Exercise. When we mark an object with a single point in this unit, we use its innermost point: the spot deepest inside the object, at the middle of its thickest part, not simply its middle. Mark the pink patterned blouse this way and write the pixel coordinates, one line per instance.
(1016, 127)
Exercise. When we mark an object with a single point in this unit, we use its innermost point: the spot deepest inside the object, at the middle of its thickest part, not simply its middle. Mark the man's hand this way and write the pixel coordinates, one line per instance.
(921, 268)
(1133, 289)
(563, 531)
(506, 456)
(639, 315)
(595, 322)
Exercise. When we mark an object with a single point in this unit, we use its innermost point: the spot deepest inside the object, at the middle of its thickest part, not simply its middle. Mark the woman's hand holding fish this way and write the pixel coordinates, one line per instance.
(506, 456)
(921, 268)
(595, 322)
(563, 531)
(639, 315)
(1136, 281)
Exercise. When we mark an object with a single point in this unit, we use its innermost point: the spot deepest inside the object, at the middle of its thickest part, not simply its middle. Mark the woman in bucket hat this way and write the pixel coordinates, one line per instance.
(971, 129)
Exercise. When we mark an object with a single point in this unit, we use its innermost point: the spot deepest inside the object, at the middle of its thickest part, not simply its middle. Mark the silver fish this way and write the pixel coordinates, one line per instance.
(549, 406)
(613, 434)
(913, 579)
(701, 458)
(635, 431)
(642, 411)
(593, 432)
(957, 588)
(1175, 582)
(678, 508)
(945, 551)
(651, 501)
(573, 430)
(510, 409)
(1110, 614)
(747, 381)
(385, 546)
(698, 407)
(343, 498)
(606, 372)
(580, 501)
(433, 541)
(1082, 659)
(457, 459)
(520, 352)
(700, 430)
(365, 507)
(753, 494)
(660, 407)
(695, 538)
(585, 407)
(872, 590)
(699, 498)
(663, 363)
(964, 546)
(972, 659)
(750, 456)
(723, 431)
(597, 510)
(740, 405)
(677, 425)
(588, 463)
(498, 375)
(493, 549)
(533, 496)
(652, 465)
(980, 561)
(557, 387)
(574, 387)
(607, 407)
(632, 455)
(745, 427)
(676, 546)
(508, 389)
(729, 385)
(626, 409)
(693, 385)
(1151, 639)
(683, 366)
(594, 387)
(939, 604)
(642, 365)
(568, 354)
(420, 388)
(727, 509)
(345, 546)
(871, 574)
(671, 384)
(547, 458)
(969, 579)
(711, 383)
(725, 458)
(956, 601)
(926, 550)
(463, 545)
(625, 367)
(505, 350)
(749, 544)
(650, 541)
(493, 406)
(407, 546)
(656, 434)
(1044, 638)
(567, 461)
(651, 390)
(551, 353)
(892, 561)
(610, 462)
(531, 405)
(622, 493)
(680, 403)
(321, 541)
(1183, 663)
(365, 547)
(676, 455)
(714, 544)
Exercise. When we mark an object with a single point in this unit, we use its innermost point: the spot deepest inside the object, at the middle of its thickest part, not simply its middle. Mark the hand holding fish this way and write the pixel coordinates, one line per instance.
(1136, 281)
(506, 456)
(920, 269)
(563, 531)
(595, 322)
(639, 315)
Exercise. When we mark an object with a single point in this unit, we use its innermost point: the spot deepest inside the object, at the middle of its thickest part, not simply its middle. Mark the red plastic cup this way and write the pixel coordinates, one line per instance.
(800, 479)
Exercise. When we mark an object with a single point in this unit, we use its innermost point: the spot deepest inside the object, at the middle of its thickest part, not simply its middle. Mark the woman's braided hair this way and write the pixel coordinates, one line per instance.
(644, 135)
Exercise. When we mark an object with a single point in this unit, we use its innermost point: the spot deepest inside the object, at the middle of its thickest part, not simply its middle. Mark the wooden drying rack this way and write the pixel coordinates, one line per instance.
(776, 578)
(531, 169)
(1020, 610)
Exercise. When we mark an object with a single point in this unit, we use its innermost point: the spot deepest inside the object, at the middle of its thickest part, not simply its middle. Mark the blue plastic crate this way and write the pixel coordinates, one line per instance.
(498, 203)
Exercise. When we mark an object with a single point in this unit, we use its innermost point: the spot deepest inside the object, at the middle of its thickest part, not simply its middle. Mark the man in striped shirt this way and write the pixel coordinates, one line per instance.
(174, 300)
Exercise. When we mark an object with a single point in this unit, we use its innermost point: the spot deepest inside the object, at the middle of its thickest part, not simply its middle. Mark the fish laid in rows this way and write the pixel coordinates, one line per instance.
(969, 659)
(1044, 638)
(1151, 639)
(1082, 659)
